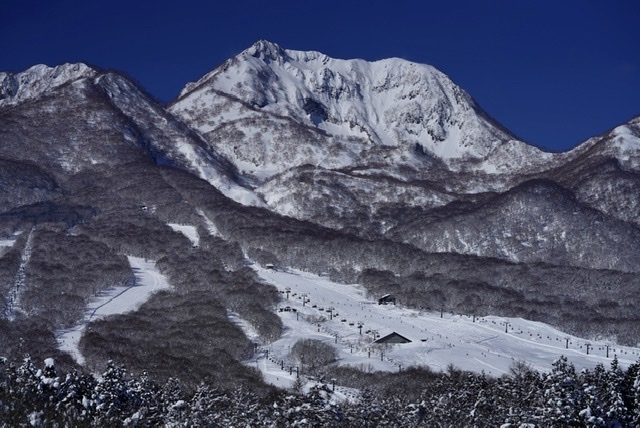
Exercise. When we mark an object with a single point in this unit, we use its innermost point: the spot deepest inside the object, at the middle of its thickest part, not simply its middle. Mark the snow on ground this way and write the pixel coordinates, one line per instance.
(6, 243)
(116, 300)
(211, 227)
(189, 231)
(437, 340)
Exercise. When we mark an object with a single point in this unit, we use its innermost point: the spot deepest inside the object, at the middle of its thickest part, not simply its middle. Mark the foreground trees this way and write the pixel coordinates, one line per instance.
(33, 395)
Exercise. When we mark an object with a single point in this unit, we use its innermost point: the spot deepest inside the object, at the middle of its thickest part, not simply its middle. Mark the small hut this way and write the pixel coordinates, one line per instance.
(387, 299)
(393, 338)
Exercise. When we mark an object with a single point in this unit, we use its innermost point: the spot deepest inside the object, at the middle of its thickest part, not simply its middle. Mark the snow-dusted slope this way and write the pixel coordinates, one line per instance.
(38, 80)
(621, 143)
(365, 146)
(72, 117)
(356, 112)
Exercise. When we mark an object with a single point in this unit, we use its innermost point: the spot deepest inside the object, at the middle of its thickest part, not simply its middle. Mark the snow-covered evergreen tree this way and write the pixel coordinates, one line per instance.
(562, 395)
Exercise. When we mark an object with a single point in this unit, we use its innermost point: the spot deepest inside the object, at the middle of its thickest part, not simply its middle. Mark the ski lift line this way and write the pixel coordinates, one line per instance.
(13, 303)
(529, 333)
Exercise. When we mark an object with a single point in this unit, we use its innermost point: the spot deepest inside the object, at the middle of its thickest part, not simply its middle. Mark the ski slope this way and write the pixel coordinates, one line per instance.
(117, 300)
(189, 231)
(437, 340)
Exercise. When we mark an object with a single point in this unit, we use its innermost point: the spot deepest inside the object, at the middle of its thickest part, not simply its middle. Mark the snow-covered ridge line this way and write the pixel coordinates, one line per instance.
(390, 101)
(37, 80)
(117, 300)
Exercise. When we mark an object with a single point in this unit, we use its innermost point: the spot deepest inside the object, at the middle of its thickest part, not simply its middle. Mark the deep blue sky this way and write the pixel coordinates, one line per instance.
(554, 72)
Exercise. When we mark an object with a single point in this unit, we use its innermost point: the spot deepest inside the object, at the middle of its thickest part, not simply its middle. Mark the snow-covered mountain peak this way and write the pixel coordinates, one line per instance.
(266, 51)
(38, 80)
(621, 143)
(624, 141)
(392, 103)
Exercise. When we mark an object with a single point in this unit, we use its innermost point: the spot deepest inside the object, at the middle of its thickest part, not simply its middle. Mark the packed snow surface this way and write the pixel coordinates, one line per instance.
(187, 230)
(8, 242)
(117, 300)
(437, 340)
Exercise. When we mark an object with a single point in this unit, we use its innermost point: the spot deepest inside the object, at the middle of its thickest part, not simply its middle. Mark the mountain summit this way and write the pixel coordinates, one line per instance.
(396, 149)
(353, 135)
(368, 111)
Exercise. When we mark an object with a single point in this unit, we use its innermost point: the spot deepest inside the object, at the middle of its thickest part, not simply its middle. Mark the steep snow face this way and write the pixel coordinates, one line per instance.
(38, 80)
(353, 105)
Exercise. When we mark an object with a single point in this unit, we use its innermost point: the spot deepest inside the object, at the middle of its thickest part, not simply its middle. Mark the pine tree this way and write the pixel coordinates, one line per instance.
(633, 375)
(173, 403)
(112, 396)
(616, 412)
(590, 403)
(562, 395)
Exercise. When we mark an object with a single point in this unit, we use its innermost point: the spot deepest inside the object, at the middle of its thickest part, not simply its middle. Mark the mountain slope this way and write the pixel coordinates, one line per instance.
(113, 122)
(342, 142)
(383, 148)
(535, 222)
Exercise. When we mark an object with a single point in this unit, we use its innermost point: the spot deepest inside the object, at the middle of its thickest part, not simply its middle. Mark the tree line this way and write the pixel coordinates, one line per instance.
(38, 395)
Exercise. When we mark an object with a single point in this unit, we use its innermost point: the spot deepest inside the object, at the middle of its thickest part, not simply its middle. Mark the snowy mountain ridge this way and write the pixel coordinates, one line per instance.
(392, 105)
(372, 146)
(38, 80)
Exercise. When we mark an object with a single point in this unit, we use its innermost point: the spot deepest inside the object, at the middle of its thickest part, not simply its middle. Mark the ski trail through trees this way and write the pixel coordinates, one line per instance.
(13, 301)
(117, 300)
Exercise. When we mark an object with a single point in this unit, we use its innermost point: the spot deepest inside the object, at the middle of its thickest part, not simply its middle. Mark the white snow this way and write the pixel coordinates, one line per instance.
(477, 345)
(187, 230)
(13, 299)
(10, 241)
(117, 300)
(38, 80)
(211, 227)
(390, 103)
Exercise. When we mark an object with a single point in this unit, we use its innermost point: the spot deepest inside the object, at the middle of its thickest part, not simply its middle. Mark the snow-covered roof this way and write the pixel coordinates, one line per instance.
(393, 338)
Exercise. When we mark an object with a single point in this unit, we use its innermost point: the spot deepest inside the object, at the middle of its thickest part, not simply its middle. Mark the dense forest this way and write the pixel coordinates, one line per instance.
(39, 395)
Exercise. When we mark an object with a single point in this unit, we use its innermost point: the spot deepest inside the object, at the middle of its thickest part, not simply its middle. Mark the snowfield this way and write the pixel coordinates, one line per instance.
(313, 307)
(332, 313)
(117, 300)
(189, 231)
